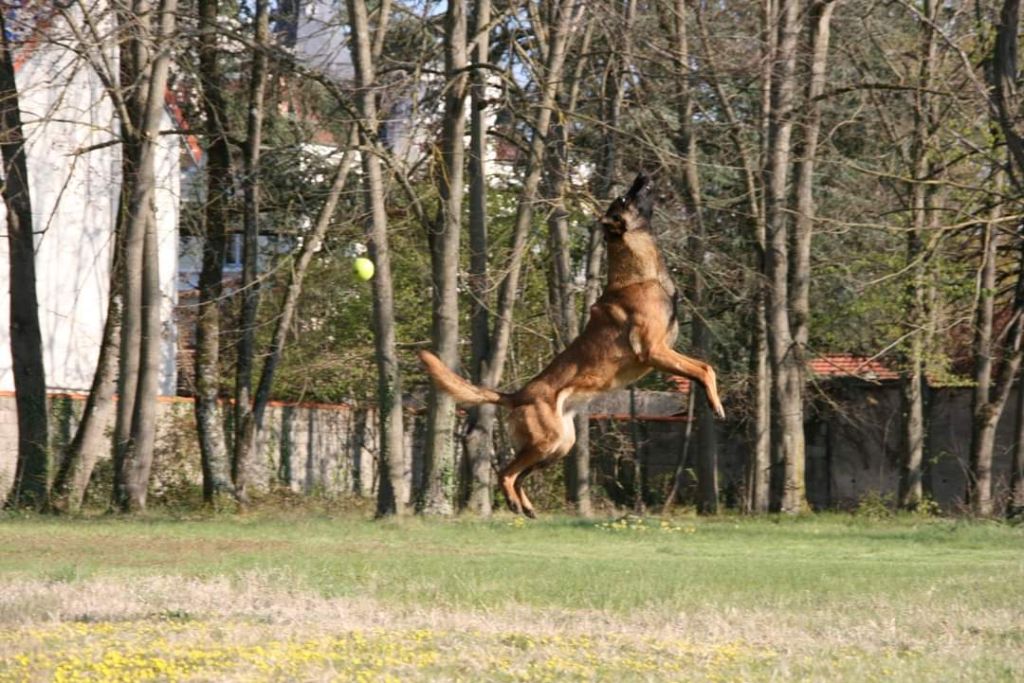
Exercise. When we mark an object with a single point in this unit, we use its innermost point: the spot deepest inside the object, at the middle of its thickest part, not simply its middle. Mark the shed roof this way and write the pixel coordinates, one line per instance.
(829, 366)
(837, 365)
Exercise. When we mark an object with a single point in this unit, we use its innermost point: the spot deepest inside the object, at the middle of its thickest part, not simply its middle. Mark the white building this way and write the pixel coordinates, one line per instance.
(74, 181)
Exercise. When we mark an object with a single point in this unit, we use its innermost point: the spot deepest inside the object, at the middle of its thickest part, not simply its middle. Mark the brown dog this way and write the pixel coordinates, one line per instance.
(631, 331)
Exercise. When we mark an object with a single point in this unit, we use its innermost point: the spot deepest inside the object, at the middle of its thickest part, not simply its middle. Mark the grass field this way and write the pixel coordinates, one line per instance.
(313, 597)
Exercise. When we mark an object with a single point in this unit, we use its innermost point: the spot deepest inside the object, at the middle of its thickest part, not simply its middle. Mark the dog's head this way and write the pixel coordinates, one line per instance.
(631, 211)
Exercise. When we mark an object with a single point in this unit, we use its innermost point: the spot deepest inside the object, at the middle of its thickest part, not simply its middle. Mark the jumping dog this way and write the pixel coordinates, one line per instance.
(631, 331)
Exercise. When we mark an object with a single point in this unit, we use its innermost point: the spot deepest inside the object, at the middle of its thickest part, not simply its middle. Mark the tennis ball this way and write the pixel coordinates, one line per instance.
(363, 267)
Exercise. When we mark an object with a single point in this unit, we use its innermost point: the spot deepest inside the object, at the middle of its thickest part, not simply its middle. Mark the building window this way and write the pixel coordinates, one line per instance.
(233, 252)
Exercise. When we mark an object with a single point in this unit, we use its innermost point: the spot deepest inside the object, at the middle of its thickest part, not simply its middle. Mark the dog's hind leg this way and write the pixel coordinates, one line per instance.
(521, 480)
(527, 458)
(565, 443)
(524, 500)
(538, 432)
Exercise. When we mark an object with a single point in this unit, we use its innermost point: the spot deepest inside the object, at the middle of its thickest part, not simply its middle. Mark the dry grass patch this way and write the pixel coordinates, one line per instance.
(255, 628)
(827, 598)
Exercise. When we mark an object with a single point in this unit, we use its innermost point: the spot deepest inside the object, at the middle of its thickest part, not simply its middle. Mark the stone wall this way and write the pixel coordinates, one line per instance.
(308, 448)
(853, 446)
(854, 443)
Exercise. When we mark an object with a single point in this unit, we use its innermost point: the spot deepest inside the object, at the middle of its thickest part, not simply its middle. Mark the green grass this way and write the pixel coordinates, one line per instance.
(825, 597)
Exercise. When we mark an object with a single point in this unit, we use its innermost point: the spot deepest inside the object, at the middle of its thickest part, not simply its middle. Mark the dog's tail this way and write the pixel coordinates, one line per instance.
(462, 391)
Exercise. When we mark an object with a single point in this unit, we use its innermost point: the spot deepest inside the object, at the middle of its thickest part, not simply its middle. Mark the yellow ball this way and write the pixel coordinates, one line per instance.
(363, 267)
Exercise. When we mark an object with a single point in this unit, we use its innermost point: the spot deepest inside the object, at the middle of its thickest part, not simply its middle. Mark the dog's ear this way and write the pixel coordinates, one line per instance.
(639, 183)
(641, 195)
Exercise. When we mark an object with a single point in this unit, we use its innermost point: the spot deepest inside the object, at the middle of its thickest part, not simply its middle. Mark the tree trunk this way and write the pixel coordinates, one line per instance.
(133, 78)
(706, 437)
(686, 144)
(141, 331)
(581, 454)
(911, 386)
(566, 20)
(90, 440)
(393, 489)
(1007, 103)
(581, 495)
(639, 491)
(757, 475)
(820, 18)
(758, 461)
(983, 441)
(243, 462)
(439, 482)
(1015, 506)
(564, 301)
(983, 417)
(478, 442)
(139, 457)
(216, 464)
(131, 323)
(682, 455)
(913, 380)
(986, 416)
(33, 464)
(310, 246)
(990, 398)
(565, 321)
(784, 351)
(1005, 74)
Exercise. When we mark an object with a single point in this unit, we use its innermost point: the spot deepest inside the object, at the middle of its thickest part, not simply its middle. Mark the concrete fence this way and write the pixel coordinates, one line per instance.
(308, 448)
(853, 446)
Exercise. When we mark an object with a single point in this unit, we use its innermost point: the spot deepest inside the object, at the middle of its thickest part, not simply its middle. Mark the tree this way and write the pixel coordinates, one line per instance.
(1005, 86)
(921, 200)
(564, 301)
(686, 146)
(819, 19)
(748, 140)
(565, 18)
(786, 357)
(216, 463)
(607, 160)
(145, 57)
(444, 252)
(989, 398)
(32, 470)
(90, 439)
(759, 461)
(311, 244)
(389, 380)
(1015, 506)
(1007, 102)
(478, 442)
(245, 427)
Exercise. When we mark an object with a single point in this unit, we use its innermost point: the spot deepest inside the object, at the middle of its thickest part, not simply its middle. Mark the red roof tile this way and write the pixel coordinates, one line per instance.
(849, 365)
(825, 367)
